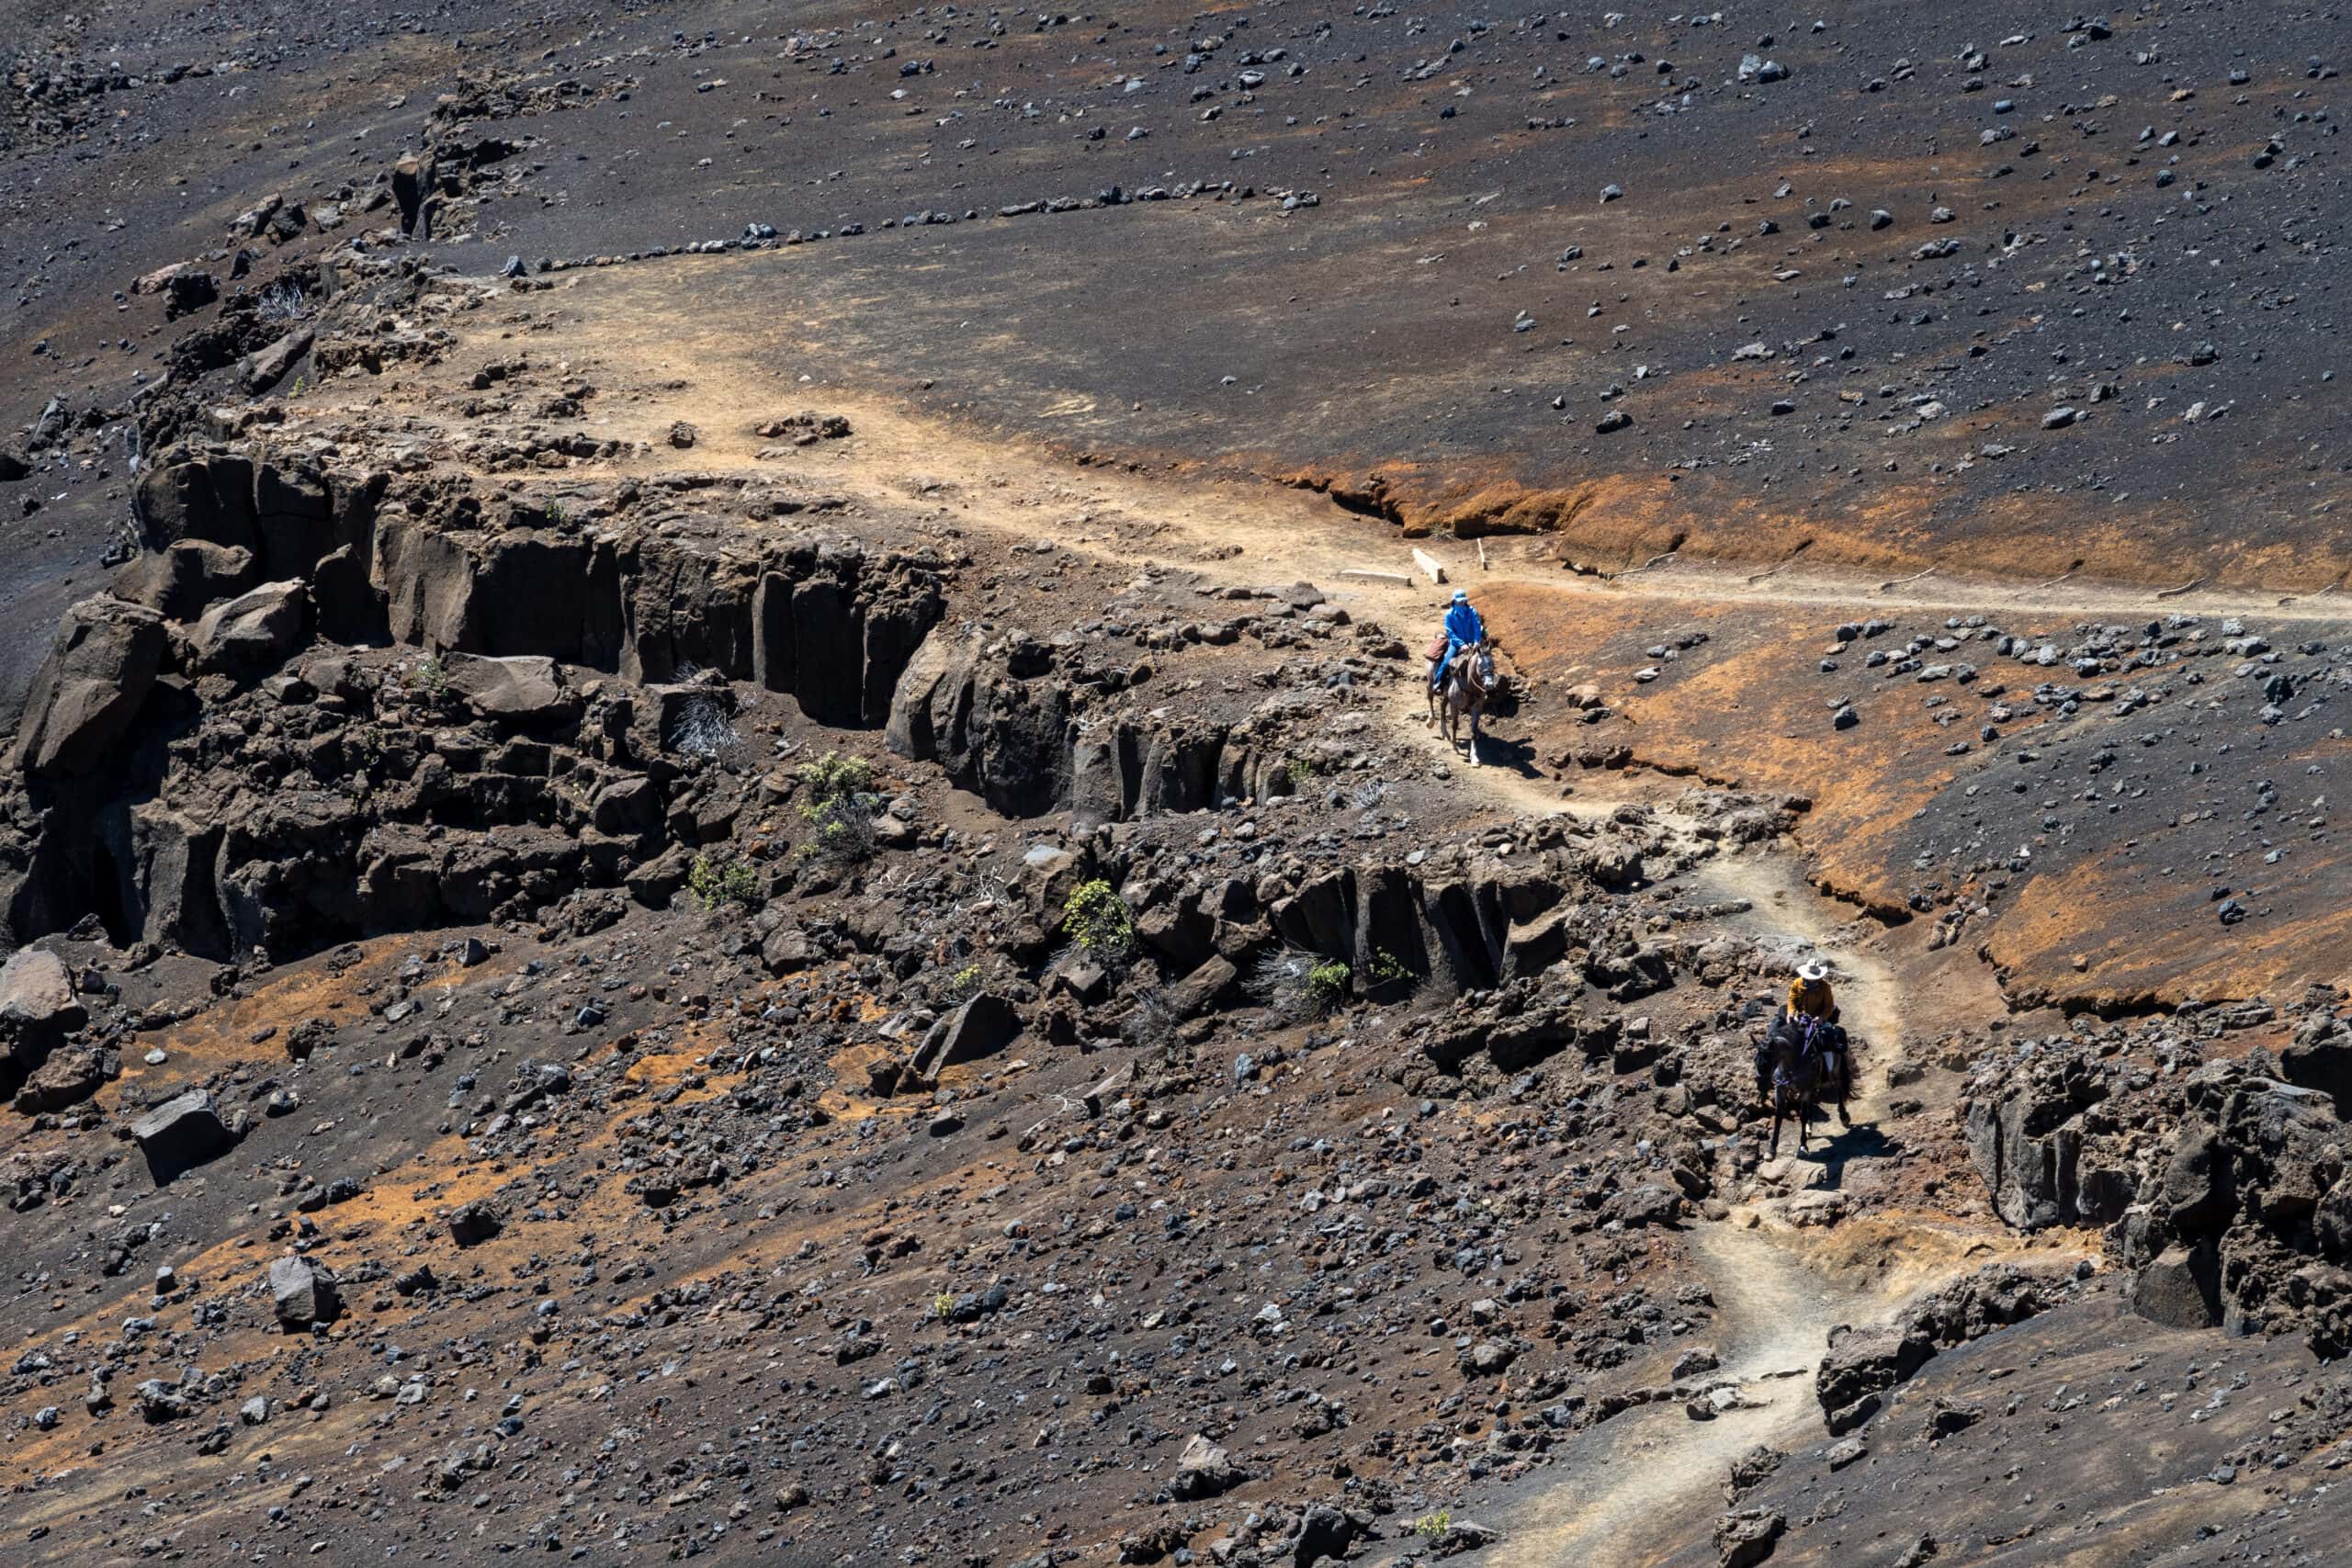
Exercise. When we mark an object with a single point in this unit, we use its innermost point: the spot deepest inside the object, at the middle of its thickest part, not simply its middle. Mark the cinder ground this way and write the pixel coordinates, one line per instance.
(1375, 280)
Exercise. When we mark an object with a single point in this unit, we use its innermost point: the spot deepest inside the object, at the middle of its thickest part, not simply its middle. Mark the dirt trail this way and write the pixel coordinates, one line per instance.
(625, 326)
(1617, 1481)
(1778, 1291)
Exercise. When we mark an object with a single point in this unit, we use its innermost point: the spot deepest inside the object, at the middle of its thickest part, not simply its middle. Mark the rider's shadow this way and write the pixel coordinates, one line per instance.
(1863, 1140)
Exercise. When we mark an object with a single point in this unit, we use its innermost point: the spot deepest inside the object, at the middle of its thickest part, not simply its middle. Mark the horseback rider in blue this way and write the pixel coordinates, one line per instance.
(1462, 629)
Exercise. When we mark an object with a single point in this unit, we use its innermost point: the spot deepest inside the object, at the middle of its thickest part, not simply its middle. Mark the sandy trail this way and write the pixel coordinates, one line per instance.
(1628, 1490)
(1617, 1480)
(626, 328)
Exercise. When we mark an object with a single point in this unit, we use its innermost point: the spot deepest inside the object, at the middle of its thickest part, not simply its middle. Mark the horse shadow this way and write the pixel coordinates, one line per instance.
(1519, 756)
(1863, 1140)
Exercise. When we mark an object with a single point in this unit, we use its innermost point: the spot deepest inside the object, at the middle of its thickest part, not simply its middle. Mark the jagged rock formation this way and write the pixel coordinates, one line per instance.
(2219, 1178)
(137, 806)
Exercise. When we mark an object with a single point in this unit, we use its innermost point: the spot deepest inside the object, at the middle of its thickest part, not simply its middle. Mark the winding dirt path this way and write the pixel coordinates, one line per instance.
(1625, 1491)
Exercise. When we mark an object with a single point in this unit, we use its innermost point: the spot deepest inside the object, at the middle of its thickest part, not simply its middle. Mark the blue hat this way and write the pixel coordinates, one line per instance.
(1462, 596)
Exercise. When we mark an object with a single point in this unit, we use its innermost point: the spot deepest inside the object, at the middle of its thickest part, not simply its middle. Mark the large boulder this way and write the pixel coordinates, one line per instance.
(412, 181)
(991, 716)
(984, 1025)
(1202, 989)
(2028, 1147)
(1859, 1366)
(2290, 1150)
(2321, 1059)
(2181, 1289)
(1747, 1537)
(183, 577)
(1204, 1469)
(100, 667)
(69, 1077)
(264, 368)
(175, 860)
(253, 632)
(204, 497)
(2197, 1190)
(942, 666)
(1098, 791)
(37, 1007)
(182, 1133)
(303, 1293)
(518, 690)
(427, 582)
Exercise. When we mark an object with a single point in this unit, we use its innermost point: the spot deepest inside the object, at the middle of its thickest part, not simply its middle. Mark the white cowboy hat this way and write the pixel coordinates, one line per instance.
(1812, 969)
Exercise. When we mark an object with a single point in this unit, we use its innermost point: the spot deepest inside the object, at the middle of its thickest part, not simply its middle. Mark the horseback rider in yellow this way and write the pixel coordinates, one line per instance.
(1809, 993)
(1809, 1013)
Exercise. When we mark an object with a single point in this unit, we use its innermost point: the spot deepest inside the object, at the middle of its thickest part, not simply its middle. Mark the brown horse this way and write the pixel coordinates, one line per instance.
(1468, 685)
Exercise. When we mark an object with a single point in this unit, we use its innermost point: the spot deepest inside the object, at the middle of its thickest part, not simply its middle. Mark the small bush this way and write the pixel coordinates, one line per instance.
(282, 302)
(702, 727)
(1279, 982)
(960, 986)
(714, 886)
(843, 830)
(942, 1304)
(1096, 919)
(430, 676)
(1433, 1524)
(1152, 1025)
(833, 777)
(1327, 983)
(1386, 966)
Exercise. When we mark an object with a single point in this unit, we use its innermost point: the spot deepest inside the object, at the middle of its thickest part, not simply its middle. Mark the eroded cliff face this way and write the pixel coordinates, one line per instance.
(586, 650)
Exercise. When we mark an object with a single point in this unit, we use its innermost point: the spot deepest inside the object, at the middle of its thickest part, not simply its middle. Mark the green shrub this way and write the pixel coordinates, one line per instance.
(1327, 983)
(1387, 966)
(833, 777)
(960, 986)
(838, 804)
(430, 676)
(844, 829)
(1433, 1524)
(714, 886)
(1096, 919)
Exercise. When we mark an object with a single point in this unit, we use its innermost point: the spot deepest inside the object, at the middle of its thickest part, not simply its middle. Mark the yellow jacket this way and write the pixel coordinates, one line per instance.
(1812, 998)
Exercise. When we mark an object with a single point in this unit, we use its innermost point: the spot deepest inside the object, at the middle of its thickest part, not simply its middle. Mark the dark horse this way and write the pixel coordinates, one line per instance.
(1468, 685)
(1809, 1056)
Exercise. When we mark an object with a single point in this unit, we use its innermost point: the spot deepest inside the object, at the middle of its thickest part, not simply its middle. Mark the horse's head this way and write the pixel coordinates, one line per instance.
(1484, 664)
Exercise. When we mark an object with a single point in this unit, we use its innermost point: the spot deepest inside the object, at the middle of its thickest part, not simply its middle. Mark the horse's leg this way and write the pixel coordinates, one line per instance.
(1772, 1150)
(1474, 710)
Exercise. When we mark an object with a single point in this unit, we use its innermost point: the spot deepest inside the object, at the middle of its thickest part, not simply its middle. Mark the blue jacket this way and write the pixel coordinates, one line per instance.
(1463, 626)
